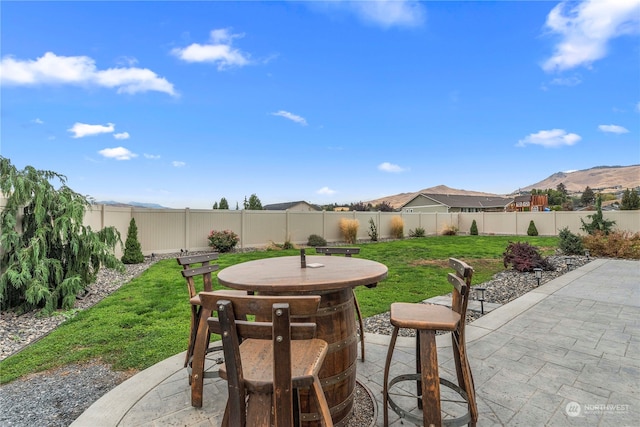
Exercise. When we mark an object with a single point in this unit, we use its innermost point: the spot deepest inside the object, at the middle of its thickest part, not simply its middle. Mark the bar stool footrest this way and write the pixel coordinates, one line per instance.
(462, 420)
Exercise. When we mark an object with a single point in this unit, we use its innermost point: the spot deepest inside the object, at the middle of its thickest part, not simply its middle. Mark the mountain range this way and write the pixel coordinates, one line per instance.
(606, 179)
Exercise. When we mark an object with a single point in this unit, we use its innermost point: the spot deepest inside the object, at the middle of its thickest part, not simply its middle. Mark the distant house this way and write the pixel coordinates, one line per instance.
(292, 206)
(446, 203)
(529, 203)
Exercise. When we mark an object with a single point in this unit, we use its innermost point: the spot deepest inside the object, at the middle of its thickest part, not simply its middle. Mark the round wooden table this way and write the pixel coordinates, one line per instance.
(333, 278)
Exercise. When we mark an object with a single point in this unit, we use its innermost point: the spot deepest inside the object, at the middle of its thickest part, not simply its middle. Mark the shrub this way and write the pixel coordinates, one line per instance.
(223, 241)
(273, 246)
(349, 229)
(570, 244)
(397, 227)
(54, 256)
(315, 240)
(598, 223)
(524, 257)
(373, 230)
(532, 230)
(616, 244)
(418, 232)
(132, 249)
(474, 228)
(449, 230)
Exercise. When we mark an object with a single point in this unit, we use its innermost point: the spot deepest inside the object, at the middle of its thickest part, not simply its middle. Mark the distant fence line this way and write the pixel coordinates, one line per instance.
(169, 230)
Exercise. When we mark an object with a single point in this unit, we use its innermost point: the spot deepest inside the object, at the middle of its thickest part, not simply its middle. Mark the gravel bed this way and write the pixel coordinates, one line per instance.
(57, 397)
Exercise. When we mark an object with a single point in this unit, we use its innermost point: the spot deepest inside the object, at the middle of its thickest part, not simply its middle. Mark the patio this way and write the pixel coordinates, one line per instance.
(563, 354)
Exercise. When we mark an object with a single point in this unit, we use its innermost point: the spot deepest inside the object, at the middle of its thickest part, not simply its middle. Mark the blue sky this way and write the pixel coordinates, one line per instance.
(183, 103)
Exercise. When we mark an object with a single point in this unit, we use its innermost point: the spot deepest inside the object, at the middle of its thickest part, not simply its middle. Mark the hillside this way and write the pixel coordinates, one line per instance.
(601, 178)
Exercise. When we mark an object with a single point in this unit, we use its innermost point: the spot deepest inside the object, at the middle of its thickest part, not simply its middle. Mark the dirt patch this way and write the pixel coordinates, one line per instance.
(476, 263)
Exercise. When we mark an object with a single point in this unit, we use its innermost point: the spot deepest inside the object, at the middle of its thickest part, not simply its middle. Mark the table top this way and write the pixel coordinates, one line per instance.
(284, 274)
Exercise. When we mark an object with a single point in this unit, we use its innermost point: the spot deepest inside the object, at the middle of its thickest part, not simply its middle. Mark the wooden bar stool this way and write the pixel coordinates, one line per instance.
(348, 252)
(426, 319)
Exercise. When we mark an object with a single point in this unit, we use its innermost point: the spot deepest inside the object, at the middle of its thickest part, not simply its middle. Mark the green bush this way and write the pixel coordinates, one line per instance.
(54, 256)
(315, 240)
(223, 241)
(418, 232)
(132, 249)
(474, 228)
(373, 230)
(598, 224)
(570, 244)
(532, 230)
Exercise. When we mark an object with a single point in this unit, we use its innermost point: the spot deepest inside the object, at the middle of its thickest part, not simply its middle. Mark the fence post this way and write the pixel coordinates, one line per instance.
(187, 227)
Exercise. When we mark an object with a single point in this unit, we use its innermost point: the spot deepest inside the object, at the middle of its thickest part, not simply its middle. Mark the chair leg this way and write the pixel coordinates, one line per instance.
(431, 410)
(199, 354)
(321, 400)
(465, 377)
(385, 380)
(361, 323)
(192, 334)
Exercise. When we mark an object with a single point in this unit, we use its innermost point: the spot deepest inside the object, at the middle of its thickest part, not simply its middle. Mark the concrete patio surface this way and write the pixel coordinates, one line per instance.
(565, 354)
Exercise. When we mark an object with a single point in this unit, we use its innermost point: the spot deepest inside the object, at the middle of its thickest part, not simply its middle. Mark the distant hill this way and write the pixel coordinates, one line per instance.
(131, 204)
(600, 178)
(606, 179)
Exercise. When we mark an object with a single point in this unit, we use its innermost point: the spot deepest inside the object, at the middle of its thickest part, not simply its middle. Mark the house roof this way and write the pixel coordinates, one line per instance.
(287, 205)
(461, 201)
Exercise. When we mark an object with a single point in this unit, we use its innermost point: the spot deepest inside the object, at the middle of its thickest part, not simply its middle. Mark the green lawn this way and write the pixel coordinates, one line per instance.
(147, 319)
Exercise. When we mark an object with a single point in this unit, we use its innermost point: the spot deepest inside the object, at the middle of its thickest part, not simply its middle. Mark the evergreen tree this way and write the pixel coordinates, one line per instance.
(532, 230)
(588, 197)
(598, 223)
(132, 249)
(223, 204)
(254, 203)
(474, 228)
(55, 256)
(215, 205)
(630, 200)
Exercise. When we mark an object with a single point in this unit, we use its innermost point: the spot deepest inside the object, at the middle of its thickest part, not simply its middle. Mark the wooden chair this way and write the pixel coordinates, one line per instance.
(348, 252)
(267, 362)
(197, 266)
(426, 319)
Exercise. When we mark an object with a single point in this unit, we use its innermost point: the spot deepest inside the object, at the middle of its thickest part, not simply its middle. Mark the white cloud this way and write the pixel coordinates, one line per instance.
(291, 116)
(80, 130)
(79, 70)
(118, 153)
(389, 13)
(390, 167)
(326, 191)
(613, 129)
(586, 28)
(550, 138)
(122, 135)
(37, 121)
(151, 156)
(178, 164)
(219, 51)
(567, 81)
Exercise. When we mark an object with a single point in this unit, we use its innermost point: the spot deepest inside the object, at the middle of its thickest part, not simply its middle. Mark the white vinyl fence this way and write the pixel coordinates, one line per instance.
(169, 230)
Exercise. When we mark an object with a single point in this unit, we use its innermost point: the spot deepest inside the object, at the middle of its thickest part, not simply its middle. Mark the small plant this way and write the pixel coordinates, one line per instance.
(598, 223)
(397, 227)
(616, 244)
(524, 257)
(532, 230)
(474, 228)
(418, 232)
(570, 244)
(223, 241)
(449, 230)
(273, 246)
(315, 240)
(349, 229)
(132, 249)
(373, 230)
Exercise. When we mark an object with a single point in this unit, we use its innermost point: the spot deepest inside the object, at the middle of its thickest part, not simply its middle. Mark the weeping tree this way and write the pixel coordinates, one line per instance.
(47, 255)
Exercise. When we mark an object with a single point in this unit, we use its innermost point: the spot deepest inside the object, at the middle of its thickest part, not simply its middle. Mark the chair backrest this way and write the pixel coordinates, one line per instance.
(461, 281)
(338, 250)
(190, 270)
(232, 308)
